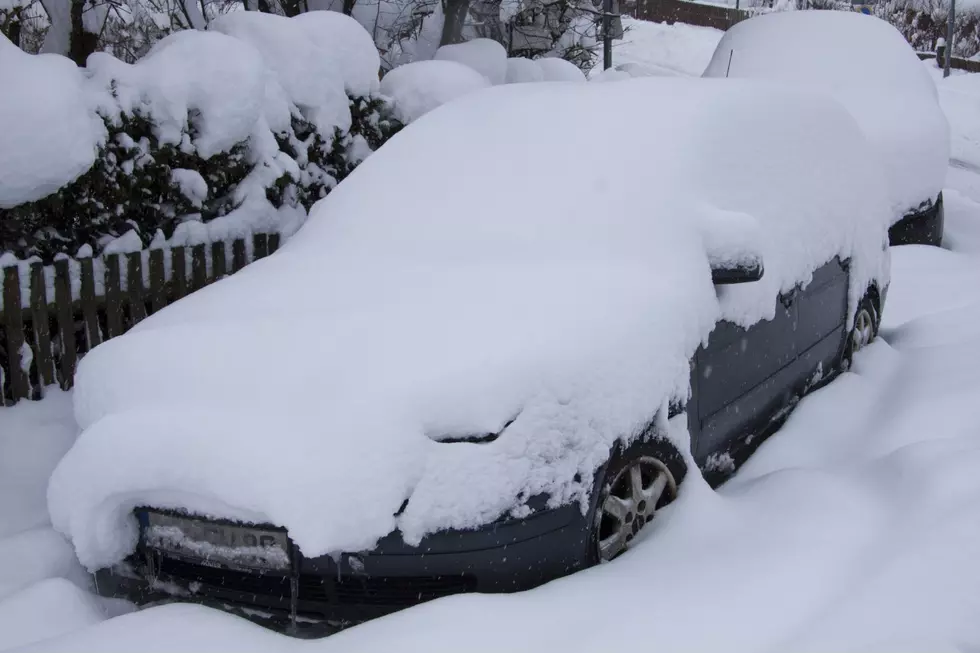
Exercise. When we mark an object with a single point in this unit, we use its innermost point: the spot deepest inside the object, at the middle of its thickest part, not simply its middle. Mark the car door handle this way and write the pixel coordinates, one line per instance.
(789, 298)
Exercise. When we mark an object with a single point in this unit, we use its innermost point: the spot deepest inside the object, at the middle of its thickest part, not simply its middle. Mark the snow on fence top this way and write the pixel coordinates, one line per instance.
(474, 291)
(868, 66)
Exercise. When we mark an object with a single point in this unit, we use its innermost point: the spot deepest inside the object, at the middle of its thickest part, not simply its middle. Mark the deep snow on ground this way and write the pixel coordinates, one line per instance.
(664, 49)
(853, 529)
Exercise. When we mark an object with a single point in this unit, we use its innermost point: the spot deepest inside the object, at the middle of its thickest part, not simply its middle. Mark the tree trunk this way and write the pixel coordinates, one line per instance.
(349, 6)
(82, 43)
(452, 28)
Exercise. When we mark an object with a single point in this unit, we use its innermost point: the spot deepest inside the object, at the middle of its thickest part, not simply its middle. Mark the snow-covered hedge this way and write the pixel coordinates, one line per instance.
(211, 135)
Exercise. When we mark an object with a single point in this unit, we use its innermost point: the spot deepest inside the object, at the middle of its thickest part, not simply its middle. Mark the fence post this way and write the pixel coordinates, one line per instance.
(41, 327)
(66, 322)
(90, 309)
(14, 326)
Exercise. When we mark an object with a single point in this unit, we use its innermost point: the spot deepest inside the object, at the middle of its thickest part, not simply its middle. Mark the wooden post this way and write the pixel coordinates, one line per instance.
(238, 255)
(158, 280)
(134, 288)
(217, 260)
(14, 326)
(113, 296)
(261, 243)
(273, 243)
(199, 267)
(42, 327)
(66, 322)
(178, 269)
(90, 307)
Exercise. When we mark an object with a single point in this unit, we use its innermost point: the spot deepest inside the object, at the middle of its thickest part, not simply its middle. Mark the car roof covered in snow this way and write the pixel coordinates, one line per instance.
(506, 259)
(868, 66)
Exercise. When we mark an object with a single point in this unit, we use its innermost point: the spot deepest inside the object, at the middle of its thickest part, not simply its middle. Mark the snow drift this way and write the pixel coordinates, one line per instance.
(397, 317)
(866, 65)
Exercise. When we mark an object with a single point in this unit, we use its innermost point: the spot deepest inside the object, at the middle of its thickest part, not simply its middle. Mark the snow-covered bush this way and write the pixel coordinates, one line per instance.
(209, 135)
(923, 23)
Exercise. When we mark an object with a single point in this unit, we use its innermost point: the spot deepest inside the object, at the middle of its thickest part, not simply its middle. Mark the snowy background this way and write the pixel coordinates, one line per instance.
(853, 529)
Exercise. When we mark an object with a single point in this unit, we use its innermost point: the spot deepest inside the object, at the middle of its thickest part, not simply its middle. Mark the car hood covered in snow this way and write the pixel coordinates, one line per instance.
(866, 65)
(500, 260)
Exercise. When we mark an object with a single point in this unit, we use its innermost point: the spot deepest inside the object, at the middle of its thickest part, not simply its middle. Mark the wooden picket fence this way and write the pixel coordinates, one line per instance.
(58, 313)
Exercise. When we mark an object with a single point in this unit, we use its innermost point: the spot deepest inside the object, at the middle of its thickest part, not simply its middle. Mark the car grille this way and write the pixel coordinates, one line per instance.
(393, 591)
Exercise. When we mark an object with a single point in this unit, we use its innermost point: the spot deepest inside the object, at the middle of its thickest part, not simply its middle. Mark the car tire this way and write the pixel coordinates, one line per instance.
(623, 507)
(863, 331)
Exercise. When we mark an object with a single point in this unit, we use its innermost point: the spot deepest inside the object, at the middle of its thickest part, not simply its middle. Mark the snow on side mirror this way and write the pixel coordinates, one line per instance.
(733, 246)
(744, 272)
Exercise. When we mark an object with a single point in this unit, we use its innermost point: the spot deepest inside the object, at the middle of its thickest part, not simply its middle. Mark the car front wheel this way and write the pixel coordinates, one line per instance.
(863, 331)
(637, 483)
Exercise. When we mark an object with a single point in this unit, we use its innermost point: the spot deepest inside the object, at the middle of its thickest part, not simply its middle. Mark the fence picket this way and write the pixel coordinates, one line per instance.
(217, 260)
(134, 288)
(179, 272)
(90, 307)
(199, 267)
(14, 326)
(261, 243)
(113, 296)
(158, 279)
(41, 326)
(66, 322)
(238, 255)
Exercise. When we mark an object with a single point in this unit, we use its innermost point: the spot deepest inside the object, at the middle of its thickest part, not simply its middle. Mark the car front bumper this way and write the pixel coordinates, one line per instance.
(326, 593)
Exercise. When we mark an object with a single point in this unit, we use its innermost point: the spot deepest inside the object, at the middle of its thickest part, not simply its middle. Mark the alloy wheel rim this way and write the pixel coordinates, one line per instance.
(863, 331)
(629, 502)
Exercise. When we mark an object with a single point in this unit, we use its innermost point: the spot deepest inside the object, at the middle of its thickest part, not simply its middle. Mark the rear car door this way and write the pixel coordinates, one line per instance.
(736, 377)
(822, 306)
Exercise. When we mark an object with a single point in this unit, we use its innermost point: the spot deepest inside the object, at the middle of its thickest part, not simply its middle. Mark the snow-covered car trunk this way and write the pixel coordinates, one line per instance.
(465, 282)
(866, 65)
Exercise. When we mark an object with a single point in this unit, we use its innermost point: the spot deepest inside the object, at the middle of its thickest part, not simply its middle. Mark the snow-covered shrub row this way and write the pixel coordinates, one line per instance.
(456, 70)
(211, 135)
(923, 23)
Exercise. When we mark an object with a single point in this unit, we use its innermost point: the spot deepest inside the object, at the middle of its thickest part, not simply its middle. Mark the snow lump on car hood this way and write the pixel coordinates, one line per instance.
(497, 259)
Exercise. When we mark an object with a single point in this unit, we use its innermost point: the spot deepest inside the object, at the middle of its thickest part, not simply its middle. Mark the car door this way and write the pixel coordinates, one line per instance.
(735, 377)
(822, 306)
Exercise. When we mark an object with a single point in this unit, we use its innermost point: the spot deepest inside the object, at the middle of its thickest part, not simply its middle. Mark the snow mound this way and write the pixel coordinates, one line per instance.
(419, 87)
(485, 56)
(349, 47)
(49, 132)
(521, 70)
(889, 93)
(305, 68)
(215, 81)
(46, 610)
(684, 49)
(553, 316)
(555, 69)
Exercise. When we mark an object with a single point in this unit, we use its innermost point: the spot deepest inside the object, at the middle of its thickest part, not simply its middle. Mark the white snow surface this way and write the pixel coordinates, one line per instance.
(419, 87)
(49, 134)
(868, 66)
(221, 79)
(575, 311)
(347, 45)
(679, 48)
(304, 65)
(485, 56)
(521, 70)
(555, 69)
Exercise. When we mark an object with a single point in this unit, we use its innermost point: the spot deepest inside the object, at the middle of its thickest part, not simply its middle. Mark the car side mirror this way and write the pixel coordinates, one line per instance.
(740, 272)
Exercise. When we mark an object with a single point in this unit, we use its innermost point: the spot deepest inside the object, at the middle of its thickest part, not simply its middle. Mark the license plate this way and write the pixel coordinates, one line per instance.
(216, 544)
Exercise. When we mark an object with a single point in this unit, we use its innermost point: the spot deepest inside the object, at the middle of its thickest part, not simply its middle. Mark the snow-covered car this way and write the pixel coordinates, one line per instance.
(482, 364)
(869, 67)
